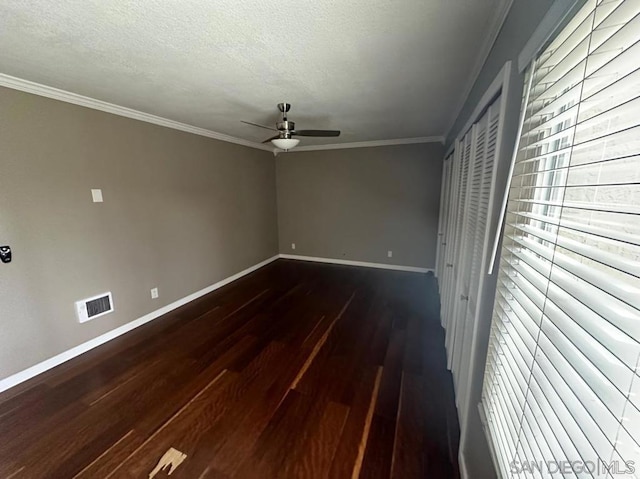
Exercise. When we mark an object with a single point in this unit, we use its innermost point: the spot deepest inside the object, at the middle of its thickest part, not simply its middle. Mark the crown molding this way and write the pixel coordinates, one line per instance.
(485, 50)
(27, 86)
(370, 144)
(68, 97)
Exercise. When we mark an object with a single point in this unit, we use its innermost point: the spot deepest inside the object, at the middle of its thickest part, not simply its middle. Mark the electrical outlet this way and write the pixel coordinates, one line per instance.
(154, 293)
(293, 246)
(389, 254)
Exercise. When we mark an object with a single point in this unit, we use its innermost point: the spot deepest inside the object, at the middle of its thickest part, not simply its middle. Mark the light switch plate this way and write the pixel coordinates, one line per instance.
(97, 196)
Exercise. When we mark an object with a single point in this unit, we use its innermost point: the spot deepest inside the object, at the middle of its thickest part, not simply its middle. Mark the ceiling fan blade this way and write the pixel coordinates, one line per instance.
(261, 126)
(316, 132)
(272, 138)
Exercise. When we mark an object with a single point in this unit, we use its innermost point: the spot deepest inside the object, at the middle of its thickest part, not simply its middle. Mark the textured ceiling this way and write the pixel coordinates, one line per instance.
(376, 69)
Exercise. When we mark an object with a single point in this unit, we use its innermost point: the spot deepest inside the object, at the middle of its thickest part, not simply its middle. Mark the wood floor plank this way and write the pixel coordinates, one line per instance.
(342, 351)
(409, 445)
(248, 384)
(111, 457)
(298, 370)
(237, 433)
(299, 442)
(355, 428)
(315, 449)
(278, 438)
(389, 395)
(376, 463)
(226, 443)
(413, 358)
(178, 431)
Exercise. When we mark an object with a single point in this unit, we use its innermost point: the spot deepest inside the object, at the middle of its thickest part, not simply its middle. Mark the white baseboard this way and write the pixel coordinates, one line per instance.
(462, 465)
(65, 356)
(50, 363)
(364, 264)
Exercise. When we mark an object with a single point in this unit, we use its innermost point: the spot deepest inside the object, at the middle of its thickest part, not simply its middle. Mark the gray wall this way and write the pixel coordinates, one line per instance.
(522, 20)
(358, 203)
(181, 212)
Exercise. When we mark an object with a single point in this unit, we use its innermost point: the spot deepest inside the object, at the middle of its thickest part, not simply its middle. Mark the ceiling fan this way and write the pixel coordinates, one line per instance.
(286, 130)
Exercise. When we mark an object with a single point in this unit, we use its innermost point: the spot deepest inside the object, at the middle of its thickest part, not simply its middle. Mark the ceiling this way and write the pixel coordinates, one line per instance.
(375, 69)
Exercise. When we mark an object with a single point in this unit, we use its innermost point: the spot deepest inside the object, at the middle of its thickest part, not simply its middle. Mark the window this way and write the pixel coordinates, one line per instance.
(561, 387)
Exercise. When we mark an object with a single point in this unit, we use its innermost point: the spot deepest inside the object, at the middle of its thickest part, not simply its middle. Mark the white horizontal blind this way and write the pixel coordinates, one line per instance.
(561, 380)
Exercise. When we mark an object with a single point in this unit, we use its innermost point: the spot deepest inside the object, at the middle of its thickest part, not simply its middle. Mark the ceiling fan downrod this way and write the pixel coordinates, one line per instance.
(285, 126)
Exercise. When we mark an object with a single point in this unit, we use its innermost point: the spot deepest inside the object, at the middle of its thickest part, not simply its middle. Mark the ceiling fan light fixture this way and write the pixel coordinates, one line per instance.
(285, 143)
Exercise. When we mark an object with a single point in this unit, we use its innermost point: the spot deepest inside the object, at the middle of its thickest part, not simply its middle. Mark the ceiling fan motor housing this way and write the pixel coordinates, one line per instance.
(286, 127)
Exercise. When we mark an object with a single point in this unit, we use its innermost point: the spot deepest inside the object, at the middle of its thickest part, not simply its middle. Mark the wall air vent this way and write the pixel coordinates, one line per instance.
(92, 308)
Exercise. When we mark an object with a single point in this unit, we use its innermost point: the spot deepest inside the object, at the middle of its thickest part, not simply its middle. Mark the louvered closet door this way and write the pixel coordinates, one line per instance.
(472, 253)
(465, 254)
(454, 192)
(479, 252)
(457, 245)
(561, 380)
(465, 250)
(444, 216)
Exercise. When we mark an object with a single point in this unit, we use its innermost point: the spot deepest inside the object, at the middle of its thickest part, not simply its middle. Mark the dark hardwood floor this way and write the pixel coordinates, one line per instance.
(298, 370)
